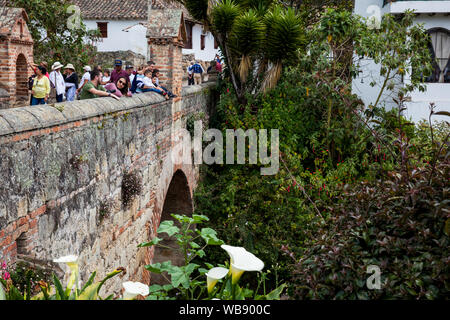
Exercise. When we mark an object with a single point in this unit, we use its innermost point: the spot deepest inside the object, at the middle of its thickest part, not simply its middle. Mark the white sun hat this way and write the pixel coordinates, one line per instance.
(57, 65)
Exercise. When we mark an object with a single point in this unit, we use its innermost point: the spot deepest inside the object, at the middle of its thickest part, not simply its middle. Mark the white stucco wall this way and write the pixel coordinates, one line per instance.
(209, 52)
(134, 40)
(439, 93)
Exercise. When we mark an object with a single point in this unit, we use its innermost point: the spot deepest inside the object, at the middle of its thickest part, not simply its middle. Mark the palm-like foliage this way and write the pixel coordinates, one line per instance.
(256, 38)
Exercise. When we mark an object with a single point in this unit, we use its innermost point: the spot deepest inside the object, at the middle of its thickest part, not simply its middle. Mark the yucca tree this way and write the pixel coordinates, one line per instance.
(256, 38)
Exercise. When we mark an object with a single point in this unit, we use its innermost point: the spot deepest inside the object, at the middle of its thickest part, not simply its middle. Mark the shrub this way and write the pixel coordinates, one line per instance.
(400, 224)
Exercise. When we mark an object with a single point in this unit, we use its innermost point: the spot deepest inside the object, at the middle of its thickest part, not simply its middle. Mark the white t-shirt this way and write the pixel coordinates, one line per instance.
(148, 82)
(86, 76)
(57, 81)
(106, 79)
(132, 78)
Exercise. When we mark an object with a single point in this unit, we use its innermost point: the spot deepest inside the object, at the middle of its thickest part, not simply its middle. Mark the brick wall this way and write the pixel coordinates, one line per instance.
(16, 51)
(58, 165)
(167, 55)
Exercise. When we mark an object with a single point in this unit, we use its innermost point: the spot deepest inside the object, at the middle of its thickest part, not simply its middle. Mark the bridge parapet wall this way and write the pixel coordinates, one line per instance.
(61, 173)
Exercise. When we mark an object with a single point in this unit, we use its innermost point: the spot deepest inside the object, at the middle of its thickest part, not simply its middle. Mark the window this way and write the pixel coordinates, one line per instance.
(188, 44)
(440, 52)
(202, 42)
(21, 28)
(103, 28)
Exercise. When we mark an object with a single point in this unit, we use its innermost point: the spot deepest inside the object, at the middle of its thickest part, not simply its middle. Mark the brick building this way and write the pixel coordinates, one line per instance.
(166, 36)
(16, 52)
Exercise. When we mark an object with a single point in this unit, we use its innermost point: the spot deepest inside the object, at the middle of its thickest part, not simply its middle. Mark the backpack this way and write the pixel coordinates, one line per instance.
(31, 82)
(137, 83)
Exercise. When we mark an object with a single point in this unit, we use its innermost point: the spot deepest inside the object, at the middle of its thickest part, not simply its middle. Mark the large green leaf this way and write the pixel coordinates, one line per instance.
(89, 282)
(199, 218)
(181, 275)
(90, 293)
(60, 294)
(154, 241)
(166, 266)
(168, 227)
(275, 294)
(210, 236)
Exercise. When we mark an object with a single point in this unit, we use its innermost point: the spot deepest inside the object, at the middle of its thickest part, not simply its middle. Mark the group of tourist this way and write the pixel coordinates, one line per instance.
(195, 70)
(94, 82)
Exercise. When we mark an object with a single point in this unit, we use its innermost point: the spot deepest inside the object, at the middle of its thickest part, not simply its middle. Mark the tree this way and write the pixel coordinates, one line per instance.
(58, 31)
(256, 38)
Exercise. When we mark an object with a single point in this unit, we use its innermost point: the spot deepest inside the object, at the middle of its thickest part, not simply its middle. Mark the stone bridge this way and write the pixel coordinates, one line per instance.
(62, 169)
(95, 177)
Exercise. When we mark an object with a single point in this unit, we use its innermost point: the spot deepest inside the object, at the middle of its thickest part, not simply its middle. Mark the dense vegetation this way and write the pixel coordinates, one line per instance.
(357, 185)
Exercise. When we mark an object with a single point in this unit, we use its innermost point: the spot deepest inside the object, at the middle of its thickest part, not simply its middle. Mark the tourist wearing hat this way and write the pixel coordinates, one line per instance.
(118, 72)
(85, 78)
(71, 79)
(57, 81)
(131, 73)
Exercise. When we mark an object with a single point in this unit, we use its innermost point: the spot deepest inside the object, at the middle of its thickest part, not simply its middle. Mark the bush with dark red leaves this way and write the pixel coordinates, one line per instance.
(399, 224)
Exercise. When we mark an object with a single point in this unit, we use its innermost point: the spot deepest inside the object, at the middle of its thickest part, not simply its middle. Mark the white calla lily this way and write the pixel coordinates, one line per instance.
(214, 275)
(241, 260)
(133, 289)
(72, 263)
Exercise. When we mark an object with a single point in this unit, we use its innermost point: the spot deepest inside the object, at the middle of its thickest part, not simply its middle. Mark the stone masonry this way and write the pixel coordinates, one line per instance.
(62, 167)
(60, 163)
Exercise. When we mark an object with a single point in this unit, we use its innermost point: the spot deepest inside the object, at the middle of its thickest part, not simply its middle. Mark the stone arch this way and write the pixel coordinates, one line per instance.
(21, 79)
(178, 200)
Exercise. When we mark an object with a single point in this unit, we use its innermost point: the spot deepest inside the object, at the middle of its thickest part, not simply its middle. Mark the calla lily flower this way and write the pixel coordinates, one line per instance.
(240, 261)
(72, 263)
(133, 289)
(214, 275)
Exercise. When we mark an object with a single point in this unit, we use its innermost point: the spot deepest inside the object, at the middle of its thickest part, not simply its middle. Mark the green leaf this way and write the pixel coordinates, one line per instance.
(194, 245)
(199, 218)
(201, 253)
(275, 294)
(155, 240)
(155, 288)
(90, 293)
(60, 294)
(202, 271)
(168, 227)
(179, 277)
(183, 218)
(109, 276)
(166, 266)
(210, 236)
(167, 287)
(89, 282)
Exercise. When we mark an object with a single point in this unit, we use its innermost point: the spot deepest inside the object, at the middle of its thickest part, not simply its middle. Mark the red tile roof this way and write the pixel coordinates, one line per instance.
(124, 9)
(113, 9)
